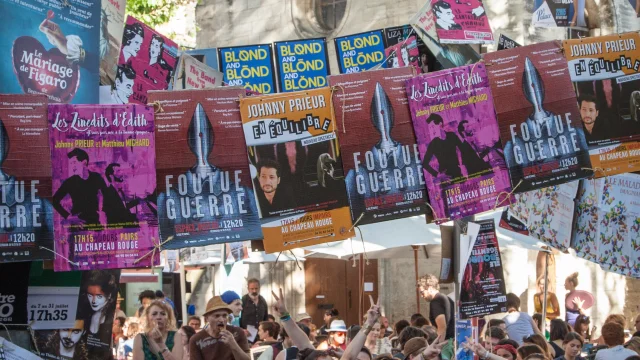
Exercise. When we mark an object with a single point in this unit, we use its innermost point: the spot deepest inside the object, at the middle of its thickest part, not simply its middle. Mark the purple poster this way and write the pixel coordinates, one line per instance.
(104, 179)
(458, 139)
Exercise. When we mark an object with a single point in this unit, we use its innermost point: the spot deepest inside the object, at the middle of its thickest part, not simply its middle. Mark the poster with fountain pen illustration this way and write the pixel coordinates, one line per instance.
(205, 194)
(104, 180)
(380, 155)
(299, 180)
(544, 143)
(458, 138)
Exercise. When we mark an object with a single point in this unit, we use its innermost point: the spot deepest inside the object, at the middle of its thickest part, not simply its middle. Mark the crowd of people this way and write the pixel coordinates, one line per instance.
(242, 328)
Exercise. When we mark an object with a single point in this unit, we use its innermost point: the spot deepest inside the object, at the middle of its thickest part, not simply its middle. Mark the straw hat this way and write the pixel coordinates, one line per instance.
(414, 345)
(302, 316)
(215, 304)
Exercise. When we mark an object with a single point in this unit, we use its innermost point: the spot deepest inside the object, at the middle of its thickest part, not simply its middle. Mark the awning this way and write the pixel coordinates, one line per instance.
(138, 276)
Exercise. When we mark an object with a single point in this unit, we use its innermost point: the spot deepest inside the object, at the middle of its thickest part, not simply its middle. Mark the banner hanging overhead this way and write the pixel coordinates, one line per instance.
(360, 52)
(384, 174)
(302, 64)
(544, 143)
(299, 179)
(483, 291)
(249, 66)
(66, 72)
(458, 138)
(606, 74)
(104, 182)
(26, 232)
(205, 194)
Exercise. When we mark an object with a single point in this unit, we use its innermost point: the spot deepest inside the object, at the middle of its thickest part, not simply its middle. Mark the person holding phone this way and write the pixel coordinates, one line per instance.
(219, 341)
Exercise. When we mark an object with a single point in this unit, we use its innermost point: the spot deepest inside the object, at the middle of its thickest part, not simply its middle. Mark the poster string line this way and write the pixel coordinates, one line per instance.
(59, 255)
(507, 195)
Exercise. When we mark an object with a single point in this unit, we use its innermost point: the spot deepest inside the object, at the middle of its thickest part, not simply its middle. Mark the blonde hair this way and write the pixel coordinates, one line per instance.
(171, 319)
(133, 330)
(573, 278)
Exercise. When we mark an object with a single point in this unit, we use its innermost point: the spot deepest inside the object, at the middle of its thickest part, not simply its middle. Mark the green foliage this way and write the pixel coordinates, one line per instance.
(153, 12)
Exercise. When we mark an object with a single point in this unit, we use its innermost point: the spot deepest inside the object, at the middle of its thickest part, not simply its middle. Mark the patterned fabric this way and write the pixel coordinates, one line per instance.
(146, 348)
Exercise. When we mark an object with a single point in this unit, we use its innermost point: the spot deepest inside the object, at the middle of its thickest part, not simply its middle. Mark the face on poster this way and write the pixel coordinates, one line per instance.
(384, 177)
(404, 48)
(605, 72)
(147, 62)
(248, 66)
(461, 22)
(559, 13)
(25, 173)
(360, 52)
(299, 180)
(302, 64)
(458, 138)
(539, 120)
(111, 28)
(50, 49)
(205, 192)
(103, 183)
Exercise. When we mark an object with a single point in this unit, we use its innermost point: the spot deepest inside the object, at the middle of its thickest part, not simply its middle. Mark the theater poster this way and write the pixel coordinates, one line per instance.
(90, 336)
(606, 74)
(104, 182)
(205, 193)
(26, 215)
(302, 64)
(380, 156)
(505, 42)
(461, 22)
(483, 290)
(539, 121)
(111, 28)
(50, 49)
(404, 48)
(249, 66)
(147, 61)
(299, 180)
(458, 140)
(559, 13)
(194, 74)
(360, 52)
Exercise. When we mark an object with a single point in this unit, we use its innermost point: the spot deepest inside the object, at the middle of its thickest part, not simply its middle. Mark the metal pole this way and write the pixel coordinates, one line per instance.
(415, 264)
(183, 293)
(543, 323)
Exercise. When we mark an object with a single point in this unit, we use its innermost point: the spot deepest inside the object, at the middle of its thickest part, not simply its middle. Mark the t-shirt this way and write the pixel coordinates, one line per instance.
(615, 353)
(518, 325)
(443, 305)
(203, 346)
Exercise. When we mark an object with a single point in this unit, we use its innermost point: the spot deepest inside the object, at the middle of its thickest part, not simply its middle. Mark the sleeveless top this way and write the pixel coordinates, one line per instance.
(537, 304)
(148, 354)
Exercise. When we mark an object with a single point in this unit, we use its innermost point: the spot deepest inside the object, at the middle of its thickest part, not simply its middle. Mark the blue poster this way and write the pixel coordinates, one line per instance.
(51, 47)
(248, 66)
(302, 64)
(464, 330)
(360, 52)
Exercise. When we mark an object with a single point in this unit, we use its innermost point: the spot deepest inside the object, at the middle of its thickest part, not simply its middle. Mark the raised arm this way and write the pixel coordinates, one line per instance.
(299, 338)
(352, 351)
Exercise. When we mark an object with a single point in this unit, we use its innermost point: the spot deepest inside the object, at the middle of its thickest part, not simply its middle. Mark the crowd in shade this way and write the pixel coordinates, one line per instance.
(245, 328)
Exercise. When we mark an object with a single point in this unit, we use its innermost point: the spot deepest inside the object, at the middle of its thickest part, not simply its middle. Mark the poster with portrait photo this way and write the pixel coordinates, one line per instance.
(459, 22)
(147, 61)
(104, 183)
(560, 13)
(299, 179)
(605, 71)
(407, 49)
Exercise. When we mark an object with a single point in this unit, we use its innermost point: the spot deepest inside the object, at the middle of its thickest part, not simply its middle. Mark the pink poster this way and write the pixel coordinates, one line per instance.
(463, 22)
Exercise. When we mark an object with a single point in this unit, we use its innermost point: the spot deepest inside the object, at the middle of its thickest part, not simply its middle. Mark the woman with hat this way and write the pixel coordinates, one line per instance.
(157, 340)
(219, 341)
(338, 334)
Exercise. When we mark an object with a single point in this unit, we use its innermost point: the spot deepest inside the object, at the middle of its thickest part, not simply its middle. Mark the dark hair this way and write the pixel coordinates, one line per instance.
(400, 325)
(159, 294)
(537, 317)
(353, 331)
(509, 342)
(496, 333)
(461, 126)
(529, 349)
(438, 6)
(366, 351)
(436, 119)
(540, 341)
(194, 318)
(121, 320)
(125, 70)
(108, 172)
(107, 283)
(408, 334)
(633, 357)
(415, 316)
(189, 331)
(572, 336)
(588, 98)
(420, 322)
(513, 301)
(159, 39)
(495, 322)
(79, 154)
(271, 317)
(580, 320)
(313, 354)
(559, 330)
(269, 164)
(431, 331)
(272, 328)
(147, 294)
(254, 281)
(332, 312)
(613, 334)
(130, 32)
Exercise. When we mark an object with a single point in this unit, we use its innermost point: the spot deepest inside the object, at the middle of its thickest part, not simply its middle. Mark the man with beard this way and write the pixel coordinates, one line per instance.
(254, 306)
(68, 343)
(441, 309)
(219, 341)
(272, 199)
(596, 128)
(115, 204)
